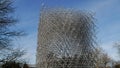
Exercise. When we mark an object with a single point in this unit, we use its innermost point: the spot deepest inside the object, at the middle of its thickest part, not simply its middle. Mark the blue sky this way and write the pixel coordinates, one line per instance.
(106, 13)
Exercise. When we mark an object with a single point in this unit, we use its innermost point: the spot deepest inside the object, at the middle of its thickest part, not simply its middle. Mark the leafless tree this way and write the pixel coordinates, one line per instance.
(11, 55)
(105, 59)
(6, 34)
(117, 46)
(6, 20)
(102, 58)
(66, 33)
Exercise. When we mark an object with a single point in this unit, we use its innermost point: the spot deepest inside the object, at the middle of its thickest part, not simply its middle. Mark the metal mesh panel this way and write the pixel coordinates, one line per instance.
(65, 39)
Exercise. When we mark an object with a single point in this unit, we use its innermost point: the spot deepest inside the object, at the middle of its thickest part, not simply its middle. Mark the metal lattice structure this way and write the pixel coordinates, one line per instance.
(65, 39)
